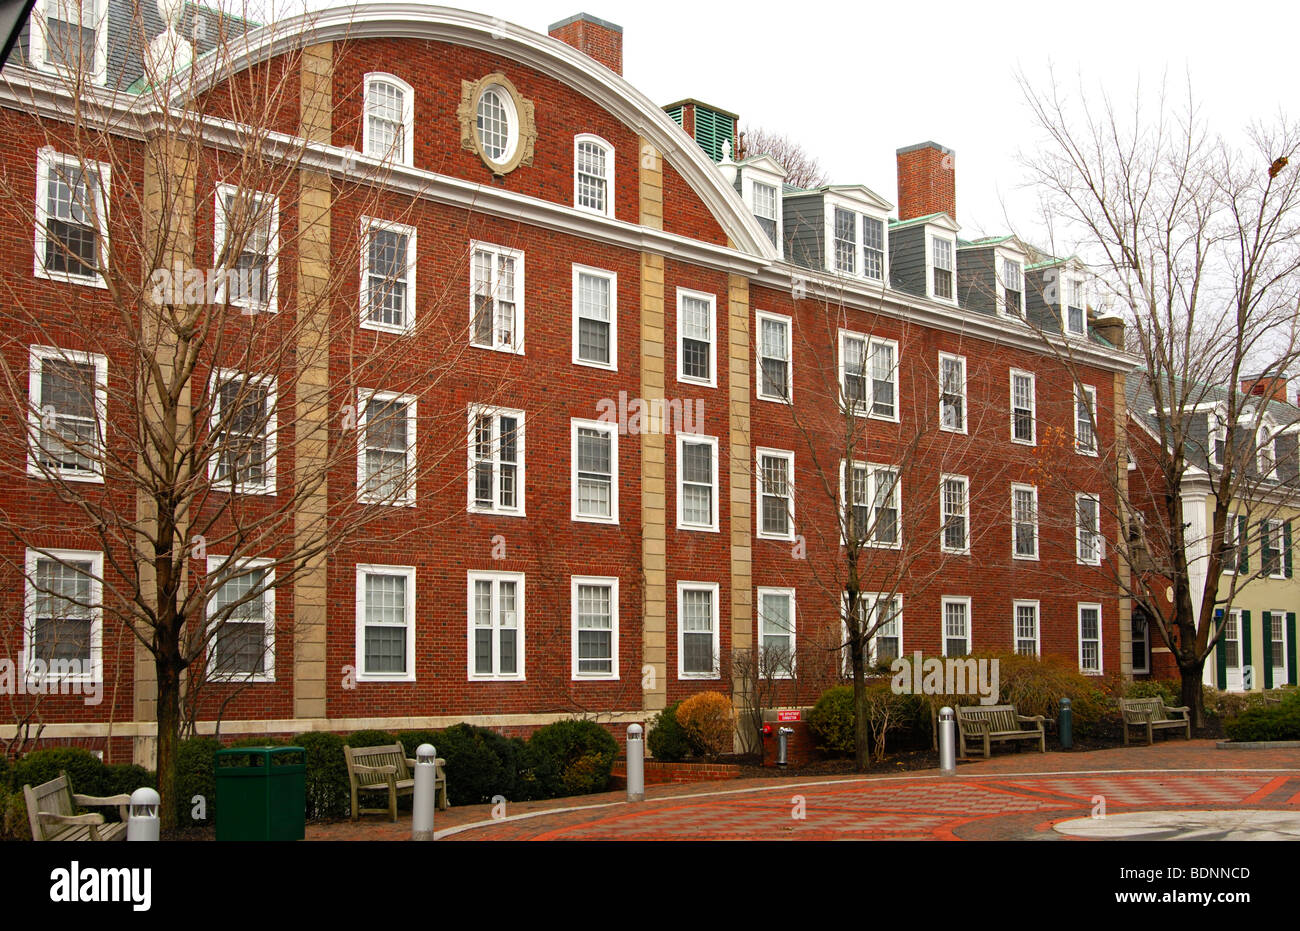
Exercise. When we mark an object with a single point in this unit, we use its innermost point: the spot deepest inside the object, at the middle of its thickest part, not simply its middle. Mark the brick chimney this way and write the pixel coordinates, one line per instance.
(594, 37)
(1271, 385)
(927, 181)
(1111, 329)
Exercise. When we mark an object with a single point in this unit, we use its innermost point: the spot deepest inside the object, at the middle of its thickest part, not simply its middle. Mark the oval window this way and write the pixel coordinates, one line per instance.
(498, 127)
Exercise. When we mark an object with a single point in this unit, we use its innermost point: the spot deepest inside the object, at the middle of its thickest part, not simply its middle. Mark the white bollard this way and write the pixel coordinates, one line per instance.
(947, 740)
(635, 764)
(142, 824)
(426, 771)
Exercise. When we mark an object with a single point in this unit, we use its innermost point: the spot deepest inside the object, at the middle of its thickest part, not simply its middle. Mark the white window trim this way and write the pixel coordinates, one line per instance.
(612, 583)
(513, 128)
(1016, 605)
(1000, 285)
(1091, 392)
(943, 622)
(943, 540)
(759, 594)
(712, 589)
(496, 578)
(518, 255)
(408, 572)
(368, 225)
(96, 560)
(788, 456)
(46, 158)
(1015, 486)
(1066, 291)
(476, 410)
(712, 299)
(712, 441)
(406, 156)
(1079, 531)
(270, 305)
(1146, 669)
(759, 317)
(883, 280)
(1276, 530)
(39, 46)
(364, 397)
(37, 355)
(1100, 656)
(1033, 406)
(611, 430)
(965, 403)
(866, 407)
(268, 485)
(215, 565)
(872, 600)
(845, 487)
(931, 266)
(747, 182)
(612, 278)
(609, 174)
(829, 208)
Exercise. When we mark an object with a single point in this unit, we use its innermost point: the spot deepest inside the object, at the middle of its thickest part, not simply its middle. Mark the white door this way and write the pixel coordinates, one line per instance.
(1232, 651)
(1276, 632)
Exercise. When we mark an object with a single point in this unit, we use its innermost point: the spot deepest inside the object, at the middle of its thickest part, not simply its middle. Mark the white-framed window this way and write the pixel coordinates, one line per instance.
(1076, 317)
(1271, 548)
(1232, 643)
(385, 623)
(595, 627)
(1088, 536)
(886, 644)
(774, 357)
(776, 632)
(698, 651)
(63, 616)
(1231, 531)
(593, 174)
(954, 515)
(242, 423)
(844, 241)
(246, 246)
(943, 275)
(496, 461)
(1011, 296)
(594, 477)
(1024, 521)
(1024, 405)
(874, 495)
(1141, 643)
(595, 317)
(387, 275)
(1027, 636)
(697, 482)
(1275, 631)
(873, 248)
(696, 338)
(385, 448)
(389, 128)
(68, 416)
(956, 630)
(775, 494)
(72, 197)
(1266, 445)
(869, 375)
(70, 37)
(952, 393)
(497, 124)
(241, 620)
(496, 625)
(767, 211)
(1085, 412)
(1090, 639)
(496, 303)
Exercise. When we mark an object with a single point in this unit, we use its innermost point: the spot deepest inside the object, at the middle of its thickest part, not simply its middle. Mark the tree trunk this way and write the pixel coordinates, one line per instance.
(861, 758)
(169, 722)
(1192, 693)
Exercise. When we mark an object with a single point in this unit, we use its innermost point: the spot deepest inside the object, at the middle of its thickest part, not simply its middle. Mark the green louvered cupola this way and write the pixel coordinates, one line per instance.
(708, 125)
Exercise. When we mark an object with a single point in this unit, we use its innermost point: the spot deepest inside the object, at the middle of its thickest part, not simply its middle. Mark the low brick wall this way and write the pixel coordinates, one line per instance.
(658, 773)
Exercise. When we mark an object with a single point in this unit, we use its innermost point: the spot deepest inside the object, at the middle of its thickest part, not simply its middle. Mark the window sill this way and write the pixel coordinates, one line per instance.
(89, 281)
(53, 475)
(489, 512)
(698, 528)
(588, 519)
(488, 678)
(508, 350)
(385, 328)
(1024, 442)
(779, 538)
(699, 382)
(603, 366)
(372, 677)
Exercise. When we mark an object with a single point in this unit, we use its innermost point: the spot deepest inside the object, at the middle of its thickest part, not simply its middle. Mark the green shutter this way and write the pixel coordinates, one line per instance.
(675, 114)
(1244, 633)
(1220, 652)
(1243, 545)
(1290, 648)
(1286, 548)
(1268, 650)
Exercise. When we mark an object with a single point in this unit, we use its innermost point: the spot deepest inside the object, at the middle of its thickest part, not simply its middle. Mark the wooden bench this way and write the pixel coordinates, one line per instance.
(988, 724)
(51, 810)
(387, 769)
(1154, 715)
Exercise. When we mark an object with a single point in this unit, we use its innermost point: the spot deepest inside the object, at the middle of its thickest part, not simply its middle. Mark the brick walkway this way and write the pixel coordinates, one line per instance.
(1013, 796)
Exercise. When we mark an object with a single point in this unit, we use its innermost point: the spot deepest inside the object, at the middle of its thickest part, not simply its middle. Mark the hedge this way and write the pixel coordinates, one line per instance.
(582, 751)
(1272, 722)
(327, 775)
(667, 740)
(481, 764)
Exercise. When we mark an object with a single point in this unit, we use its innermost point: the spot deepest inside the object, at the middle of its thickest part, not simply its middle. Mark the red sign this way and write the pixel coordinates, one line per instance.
(794, 715)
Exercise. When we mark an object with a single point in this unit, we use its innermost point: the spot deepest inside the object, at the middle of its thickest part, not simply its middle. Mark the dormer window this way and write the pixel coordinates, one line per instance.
(387, 132)
(942, 268)
(873, 248)
(846, 242)
(70, 37)
(1267, 453)
(1012, 288)
(765, 210)
(1076, 321)
(593, 175)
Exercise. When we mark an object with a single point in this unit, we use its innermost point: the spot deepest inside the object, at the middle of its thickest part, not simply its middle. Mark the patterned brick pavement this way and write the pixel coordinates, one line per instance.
(1011, 797)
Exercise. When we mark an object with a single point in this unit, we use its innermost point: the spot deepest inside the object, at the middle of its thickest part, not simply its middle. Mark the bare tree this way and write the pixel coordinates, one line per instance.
(1195, 241)
(802, 168)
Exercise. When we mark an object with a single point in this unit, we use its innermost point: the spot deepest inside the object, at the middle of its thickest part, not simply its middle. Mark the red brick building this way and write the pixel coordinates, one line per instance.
(582, 256)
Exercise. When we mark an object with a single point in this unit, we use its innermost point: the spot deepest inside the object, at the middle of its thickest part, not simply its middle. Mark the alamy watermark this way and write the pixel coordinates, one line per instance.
(180, 285)
(639, 416)
(946, 676)
(51, 677)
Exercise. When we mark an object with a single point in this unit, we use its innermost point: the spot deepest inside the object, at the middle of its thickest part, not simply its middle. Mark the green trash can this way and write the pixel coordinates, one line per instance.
(261, 793)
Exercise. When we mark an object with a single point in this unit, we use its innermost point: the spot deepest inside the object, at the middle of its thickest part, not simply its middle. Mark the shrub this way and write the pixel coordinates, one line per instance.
(6, 770)
(832, 719)
(1167, 690)
(411, 740)
(708, 720)
(194, 776)
(1271, 722)
(480, 764)
(370, 739)
(13, 815)
(889, 713)
(257, 740)
(85, 770)
(666, 740)
(123, 779)
(537, 774)
(327, 775)
(583, 752)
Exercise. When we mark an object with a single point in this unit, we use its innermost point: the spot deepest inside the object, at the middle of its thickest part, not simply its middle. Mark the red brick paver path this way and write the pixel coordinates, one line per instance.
(1013, 796)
